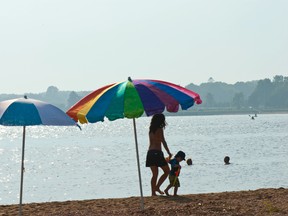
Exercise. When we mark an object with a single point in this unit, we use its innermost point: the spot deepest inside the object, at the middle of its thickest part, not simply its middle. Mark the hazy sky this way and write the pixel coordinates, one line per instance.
(83, 45)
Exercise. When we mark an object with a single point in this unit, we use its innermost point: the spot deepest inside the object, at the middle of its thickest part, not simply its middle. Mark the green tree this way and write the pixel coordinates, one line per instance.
(52, 91)
(278, 96)
(238, 100)
(270, 94)
(278, 79)
(211, 80)
(210, 101)
(72, 99)
(260, 95)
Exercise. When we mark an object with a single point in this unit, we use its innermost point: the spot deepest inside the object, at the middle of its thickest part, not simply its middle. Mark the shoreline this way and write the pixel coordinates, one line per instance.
(270, 201)
(208, 112)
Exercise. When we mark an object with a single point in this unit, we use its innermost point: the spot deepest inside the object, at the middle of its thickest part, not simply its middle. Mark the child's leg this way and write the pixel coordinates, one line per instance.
(175, 190)
(167, 189)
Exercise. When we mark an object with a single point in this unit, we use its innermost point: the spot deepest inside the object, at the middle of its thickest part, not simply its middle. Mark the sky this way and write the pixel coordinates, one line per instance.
(83, 45)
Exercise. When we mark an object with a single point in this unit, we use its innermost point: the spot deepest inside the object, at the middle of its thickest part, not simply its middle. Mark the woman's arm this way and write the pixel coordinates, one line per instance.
(165, 143)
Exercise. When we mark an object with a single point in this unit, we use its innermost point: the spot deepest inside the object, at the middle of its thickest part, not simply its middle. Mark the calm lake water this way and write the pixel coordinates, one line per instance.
(64, 163)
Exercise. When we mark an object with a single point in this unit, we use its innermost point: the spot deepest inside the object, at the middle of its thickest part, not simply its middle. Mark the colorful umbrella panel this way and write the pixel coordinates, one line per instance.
(131, 99)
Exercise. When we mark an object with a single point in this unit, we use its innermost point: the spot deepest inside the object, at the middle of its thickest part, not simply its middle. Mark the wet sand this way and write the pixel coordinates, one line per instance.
(258, 202)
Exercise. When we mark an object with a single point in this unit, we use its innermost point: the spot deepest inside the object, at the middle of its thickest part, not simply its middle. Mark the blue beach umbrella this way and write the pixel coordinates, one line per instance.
(28, 112)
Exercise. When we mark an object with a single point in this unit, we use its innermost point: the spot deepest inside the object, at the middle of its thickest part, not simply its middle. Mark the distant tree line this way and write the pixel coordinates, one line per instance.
(270, 94)
(261, 94)
(62, 99)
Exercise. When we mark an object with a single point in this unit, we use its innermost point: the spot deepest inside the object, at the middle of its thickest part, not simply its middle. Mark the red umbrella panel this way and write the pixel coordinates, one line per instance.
(130, 99)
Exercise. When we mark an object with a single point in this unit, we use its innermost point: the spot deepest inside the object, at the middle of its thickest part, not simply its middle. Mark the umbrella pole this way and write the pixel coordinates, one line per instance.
(22, 170)
(138, 163)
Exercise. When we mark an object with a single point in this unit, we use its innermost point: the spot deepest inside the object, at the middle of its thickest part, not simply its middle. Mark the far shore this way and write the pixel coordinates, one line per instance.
(259, 202)
(204, 112)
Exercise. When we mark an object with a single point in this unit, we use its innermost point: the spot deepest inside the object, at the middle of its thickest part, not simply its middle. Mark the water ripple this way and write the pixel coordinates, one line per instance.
(64, 163)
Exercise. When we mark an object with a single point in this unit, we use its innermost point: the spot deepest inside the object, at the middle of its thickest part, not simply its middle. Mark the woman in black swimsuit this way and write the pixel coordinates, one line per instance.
(155, 157)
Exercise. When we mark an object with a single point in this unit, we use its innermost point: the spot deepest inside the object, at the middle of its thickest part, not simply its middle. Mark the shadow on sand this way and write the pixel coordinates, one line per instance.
(180, 199)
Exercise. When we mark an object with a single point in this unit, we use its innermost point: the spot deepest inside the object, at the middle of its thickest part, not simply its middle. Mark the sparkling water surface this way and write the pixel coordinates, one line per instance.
(64, 163)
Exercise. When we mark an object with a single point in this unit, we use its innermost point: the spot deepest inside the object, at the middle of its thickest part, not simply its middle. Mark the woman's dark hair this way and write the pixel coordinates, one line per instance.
(157, 121)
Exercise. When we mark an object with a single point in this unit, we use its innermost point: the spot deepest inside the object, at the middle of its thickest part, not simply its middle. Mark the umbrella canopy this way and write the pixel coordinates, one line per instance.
(131, 99)
(25, 112)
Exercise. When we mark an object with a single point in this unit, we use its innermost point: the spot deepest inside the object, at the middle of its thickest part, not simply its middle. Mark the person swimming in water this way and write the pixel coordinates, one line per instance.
(227, 160)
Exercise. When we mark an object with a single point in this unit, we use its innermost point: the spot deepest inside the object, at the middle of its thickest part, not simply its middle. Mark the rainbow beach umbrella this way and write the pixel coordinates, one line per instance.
(131, 99)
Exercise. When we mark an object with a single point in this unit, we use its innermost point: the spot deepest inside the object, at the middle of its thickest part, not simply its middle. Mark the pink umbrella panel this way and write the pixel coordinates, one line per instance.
(131, 99)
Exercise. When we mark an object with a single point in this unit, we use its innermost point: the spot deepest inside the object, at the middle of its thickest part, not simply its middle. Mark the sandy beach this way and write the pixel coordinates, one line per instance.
(258, 202)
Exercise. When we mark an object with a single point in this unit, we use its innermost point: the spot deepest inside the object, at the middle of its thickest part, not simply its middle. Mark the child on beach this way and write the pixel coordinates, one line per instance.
(174, 172)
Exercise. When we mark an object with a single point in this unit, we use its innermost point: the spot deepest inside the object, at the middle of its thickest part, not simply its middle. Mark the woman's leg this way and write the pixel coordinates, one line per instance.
(154, 170)
(166, 171)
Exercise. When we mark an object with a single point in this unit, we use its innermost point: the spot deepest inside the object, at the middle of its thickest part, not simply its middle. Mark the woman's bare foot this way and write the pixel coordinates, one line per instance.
(166, 192)
(159, 191)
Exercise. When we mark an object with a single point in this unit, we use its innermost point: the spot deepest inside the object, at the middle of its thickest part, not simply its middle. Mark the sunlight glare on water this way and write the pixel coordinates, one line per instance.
(64, 163)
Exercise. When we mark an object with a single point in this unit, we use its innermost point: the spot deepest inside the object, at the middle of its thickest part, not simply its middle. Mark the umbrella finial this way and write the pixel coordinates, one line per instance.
(129, 79)
(25, 96)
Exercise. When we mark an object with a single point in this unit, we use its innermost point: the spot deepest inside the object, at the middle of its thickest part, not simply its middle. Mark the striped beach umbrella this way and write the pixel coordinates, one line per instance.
(131, 99)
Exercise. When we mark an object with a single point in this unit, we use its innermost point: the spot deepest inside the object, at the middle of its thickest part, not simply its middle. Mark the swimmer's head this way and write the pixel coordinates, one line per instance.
(189, 161)
(226, 160)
